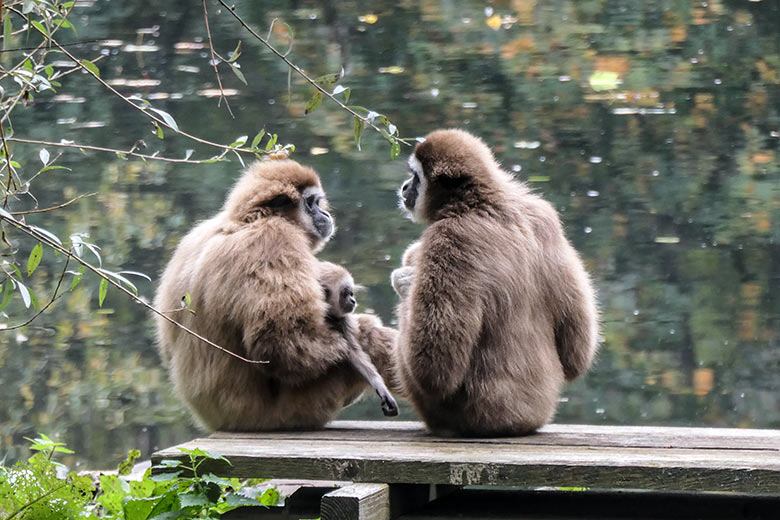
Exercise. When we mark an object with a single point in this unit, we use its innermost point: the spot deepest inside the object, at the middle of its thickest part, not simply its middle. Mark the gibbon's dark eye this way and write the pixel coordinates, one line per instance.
(310, 201)
(347, 292)
(279, 201)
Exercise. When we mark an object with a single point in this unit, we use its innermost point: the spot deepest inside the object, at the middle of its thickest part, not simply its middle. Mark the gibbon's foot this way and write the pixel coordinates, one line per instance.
(401, 279)
(389, 406)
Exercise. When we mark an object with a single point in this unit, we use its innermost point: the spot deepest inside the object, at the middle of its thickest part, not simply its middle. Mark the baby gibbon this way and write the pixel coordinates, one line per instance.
(339, 289)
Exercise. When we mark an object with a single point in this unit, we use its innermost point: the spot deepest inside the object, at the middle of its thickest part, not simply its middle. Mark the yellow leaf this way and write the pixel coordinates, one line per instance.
(494, 22)
(368, 18)
(603, 80)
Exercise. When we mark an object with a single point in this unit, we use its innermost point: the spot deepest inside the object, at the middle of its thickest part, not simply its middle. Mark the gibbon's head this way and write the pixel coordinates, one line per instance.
(450, 169)
(339, 289)
(286, 189)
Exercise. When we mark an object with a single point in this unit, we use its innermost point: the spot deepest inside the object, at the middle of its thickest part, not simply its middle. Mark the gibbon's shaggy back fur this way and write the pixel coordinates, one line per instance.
(252, 278)
(500, 311)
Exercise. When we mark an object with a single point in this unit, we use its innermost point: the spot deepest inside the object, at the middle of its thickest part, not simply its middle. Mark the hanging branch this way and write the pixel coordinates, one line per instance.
(159, 120)
(24, 228)
(266, 41)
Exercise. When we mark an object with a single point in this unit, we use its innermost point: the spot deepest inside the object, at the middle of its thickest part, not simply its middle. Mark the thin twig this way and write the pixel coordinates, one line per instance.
(305, 76)
(129, 153)
(8, 167)
(214, 61)
(63, 205)
(71, 44)
(46, 240)
(43, 309)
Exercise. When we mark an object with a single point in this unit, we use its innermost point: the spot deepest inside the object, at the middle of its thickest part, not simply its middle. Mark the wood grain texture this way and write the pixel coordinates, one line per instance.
(357, 502)
(645, 458)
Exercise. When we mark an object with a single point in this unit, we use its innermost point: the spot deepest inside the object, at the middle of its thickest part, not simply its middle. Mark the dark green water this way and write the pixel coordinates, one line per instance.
(654, 127)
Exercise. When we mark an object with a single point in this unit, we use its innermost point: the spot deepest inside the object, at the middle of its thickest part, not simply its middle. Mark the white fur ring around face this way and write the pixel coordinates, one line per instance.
(401, 280)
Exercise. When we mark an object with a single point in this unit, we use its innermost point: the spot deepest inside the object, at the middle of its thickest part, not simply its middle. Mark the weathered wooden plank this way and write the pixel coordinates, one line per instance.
(507, 464)
(553, 434)
(357, 502)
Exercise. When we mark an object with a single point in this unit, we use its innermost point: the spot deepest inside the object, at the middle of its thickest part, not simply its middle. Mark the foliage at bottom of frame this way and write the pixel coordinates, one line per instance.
(41, 489)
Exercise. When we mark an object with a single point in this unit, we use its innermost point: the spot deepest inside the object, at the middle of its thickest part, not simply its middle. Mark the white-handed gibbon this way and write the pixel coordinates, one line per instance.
(339, 289)
(253, 283)
(497, 310)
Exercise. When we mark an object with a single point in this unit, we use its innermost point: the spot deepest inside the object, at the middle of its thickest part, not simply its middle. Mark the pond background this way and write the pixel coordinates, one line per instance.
(654, 128)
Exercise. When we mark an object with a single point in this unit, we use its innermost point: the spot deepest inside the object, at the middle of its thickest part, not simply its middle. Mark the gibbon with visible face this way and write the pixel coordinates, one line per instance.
(496, 308)
(253, 282)
(339, 289)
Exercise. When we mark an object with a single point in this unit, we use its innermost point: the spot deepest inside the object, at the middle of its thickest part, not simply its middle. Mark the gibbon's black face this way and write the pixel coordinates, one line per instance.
(412, 190)
(313, 216)
(347, 302)
(341, 303)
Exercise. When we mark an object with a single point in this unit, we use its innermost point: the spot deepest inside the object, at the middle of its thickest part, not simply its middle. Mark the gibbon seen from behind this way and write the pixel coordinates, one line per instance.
(497, 310)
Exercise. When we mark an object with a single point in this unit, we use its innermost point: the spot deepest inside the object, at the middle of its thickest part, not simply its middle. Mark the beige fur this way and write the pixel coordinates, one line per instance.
(497, 310)
(252, 277)
(335, 279)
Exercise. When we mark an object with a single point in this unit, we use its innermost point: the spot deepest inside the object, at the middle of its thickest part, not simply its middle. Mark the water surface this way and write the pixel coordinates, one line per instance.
(654, 128)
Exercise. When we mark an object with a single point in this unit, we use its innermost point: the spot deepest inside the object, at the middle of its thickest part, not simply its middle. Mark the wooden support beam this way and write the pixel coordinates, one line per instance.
(357, 502)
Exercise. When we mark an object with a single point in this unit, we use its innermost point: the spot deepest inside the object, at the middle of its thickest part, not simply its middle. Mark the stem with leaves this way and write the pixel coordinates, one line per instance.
(359, 119)
(24, 228)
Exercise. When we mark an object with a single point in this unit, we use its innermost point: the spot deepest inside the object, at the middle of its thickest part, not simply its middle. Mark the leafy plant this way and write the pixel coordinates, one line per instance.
(42, 488)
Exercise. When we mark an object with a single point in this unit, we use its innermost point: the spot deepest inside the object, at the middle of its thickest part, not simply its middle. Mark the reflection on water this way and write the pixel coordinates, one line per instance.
(653, 127)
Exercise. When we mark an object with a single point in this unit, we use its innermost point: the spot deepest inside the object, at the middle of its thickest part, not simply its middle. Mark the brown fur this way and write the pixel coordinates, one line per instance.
(358, 331)
(499, 311)
(252, 277)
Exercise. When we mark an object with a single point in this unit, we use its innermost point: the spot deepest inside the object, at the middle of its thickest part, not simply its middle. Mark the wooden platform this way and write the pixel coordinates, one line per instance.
(559, 456)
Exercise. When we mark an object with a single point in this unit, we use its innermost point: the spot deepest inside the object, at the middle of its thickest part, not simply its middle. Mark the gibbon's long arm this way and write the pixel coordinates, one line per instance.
(445, 315)
(573, 306)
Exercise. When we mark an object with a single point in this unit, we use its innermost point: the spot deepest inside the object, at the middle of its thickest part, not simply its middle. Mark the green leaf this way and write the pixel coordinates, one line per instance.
(192, 499)
(237, 72)
(236, 53)
(35, 258)
(358, 128)
(236, 500)
(77, 278)
(54, 167)
(113, 489)
(126, 466)
(168, 463)
(194, 453)
(165, 477)
(102, 291)
(90, 67)
(346, 90)
(327, 80)
(271, 142)
(7, 30)
(8, 293)
(270, 497)
(258, 138)
(395, 150)
(158, 131)
(49, 71)
(313, 103)
(40, 27)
